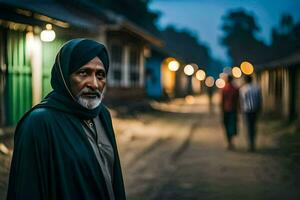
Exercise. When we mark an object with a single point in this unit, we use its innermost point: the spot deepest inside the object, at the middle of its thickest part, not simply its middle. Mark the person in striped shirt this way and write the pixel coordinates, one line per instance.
(250, 101)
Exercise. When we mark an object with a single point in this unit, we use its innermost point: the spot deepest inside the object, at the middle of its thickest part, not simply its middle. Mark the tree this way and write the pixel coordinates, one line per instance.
(136, 11)
(186, 46)
(285, 38)
(240, 31)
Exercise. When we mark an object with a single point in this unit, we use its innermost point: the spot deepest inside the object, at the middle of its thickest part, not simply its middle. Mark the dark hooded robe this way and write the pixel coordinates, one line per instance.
(52, 157)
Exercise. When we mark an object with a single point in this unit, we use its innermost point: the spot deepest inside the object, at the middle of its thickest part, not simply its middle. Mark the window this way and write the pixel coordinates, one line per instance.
(134, 67)
(116, 64)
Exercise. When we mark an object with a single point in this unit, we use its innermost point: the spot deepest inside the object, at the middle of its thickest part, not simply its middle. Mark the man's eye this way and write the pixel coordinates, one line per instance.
(101, 76)
(82, 73)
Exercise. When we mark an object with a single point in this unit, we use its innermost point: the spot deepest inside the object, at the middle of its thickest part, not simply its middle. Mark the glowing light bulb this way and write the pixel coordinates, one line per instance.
(48, 35)
(236, 72)
(220, 83)
(200, 75)
(173, 65)
(188, 70)
(209, 81)
(247, 68)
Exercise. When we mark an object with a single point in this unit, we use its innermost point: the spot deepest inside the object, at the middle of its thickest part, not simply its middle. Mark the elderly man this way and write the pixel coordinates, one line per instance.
(65, 147)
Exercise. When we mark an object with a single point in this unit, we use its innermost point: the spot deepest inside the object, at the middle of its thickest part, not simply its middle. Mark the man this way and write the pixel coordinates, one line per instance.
(230, 99)
(65, 146)
(250, 103)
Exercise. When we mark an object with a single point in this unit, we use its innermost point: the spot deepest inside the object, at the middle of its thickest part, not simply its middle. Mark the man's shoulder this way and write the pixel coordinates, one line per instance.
(39, 115)
(41, 112)
(33, 123)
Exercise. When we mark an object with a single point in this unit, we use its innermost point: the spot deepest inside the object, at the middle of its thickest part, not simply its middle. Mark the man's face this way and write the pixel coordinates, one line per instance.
(88, 82)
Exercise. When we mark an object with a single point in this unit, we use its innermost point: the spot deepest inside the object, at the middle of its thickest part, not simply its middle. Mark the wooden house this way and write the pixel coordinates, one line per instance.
(26, 61)
(280, 85)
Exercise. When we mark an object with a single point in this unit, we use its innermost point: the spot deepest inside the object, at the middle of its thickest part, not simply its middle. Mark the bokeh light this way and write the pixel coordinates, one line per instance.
(190, 99)
(220, 83)
(223, 75)
(236, 72)
(209, 81)
(173, 65)
(48, 35)
(189, 70)
(247, 68)
(200, 75)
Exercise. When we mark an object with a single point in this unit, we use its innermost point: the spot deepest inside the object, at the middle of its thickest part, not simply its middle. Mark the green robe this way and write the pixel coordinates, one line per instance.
(53, 159)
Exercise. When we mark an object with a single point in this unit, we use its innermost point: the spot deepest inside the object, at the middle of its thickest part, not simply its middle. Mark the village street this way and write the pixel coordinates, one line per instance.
(179, 152)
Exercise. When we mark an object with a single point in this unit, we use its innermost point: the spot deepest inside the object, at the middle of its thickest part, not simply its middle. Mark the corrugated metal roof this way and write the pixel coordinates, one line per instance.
(78, 13)
(288, 61)
(53, 10)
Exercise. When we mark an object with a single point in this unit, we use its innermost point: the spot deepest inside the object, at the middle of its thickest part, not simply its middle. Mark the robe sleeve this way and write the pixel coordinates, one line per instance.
(118, 183)
(29, 168)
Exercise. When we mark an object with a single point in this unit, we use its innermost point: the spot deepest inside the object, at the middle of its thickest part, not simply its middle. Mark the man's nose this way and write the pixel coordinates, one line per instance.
(93, 83)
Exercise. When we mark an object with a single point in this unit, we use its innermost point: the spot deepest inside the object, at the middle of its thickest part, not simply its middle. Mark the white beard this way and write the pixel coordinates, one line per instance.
(89, 103)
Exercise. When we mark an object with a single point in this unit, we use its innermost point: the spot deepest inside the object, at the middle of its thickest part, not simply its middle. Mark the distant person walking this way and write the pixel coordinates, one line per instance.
(250, 97)
(210, 93)
(229, 106)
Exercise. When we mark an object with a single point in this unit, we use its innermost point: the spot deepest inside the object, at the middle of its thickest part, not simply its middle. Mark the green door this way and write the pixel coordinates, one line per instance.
(19, 85)
(50, 50)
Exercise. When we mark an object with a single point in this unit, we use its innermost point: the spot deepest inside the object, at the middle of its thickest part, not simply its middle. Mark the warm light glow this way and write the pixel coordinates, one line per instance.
(190, 99)
(220, 83)
(223, 75)
(173, 65)
(147, 52)
(247, 68)
(209, 81)
(200, 75)
(188, 70)
(236, 72)
(30, 43)
(48, 35)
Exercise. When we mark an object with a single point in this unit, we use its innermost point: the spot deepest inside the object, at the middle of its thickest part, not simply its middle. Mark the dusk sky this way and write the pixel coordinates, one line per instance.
(204, 17)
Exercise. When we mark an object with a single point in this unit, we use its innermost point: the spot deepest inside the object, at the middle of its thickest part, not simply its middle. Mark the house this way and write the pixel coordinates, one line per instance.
(280, 86)
(26, 61)
(129, 46)
(153, 74)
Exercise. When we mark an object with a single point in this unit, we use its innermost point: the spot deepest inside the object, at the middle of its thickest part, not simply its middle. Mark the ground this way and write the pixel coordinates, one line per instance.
(179, 152)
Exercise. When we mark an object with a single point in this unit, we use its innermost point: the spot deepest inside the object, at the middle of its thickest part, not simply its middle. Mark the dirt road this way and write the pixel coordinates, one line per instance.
(182, 155)
(179, 152)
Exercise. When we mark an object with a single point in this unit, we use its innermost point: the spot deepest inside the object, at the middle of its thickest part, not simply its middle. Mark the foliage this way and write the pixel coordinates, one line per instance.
(286, 38)
(135, 10)
(186, 46)
(240, 31)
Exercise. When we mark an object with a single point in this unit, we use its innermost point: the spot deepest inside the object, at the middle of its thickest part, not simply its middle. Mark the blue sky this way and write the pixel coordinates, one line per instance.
(204, 17)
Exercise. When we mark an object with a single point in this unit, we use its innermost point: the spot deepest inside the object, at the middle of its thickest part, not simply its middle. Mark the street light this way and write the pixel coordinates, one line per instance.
(200, 75)
(247, 68)
(223, 75)
(189, 70)
(209, 81)
(48, 35)
(236, 72)
(220, 83)
(173, 65)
